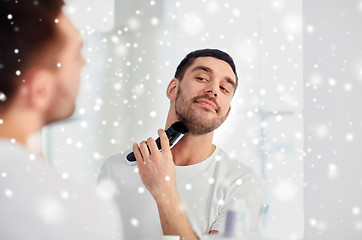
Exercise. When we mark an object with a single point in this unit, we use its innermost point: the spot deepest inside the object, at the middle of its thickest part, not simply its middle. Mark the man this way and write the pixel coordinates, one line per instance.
(192, 186)
(40, 63)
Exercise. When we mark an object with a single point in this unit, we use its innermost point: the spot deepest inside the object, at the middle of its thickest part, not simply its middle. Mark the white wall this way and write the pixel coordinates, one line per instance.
(333, 119)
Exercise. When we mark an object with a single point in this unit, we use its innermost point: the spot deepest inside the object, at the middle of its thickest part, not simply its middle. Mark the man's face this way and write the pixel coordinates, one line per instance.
(204, 95)
(67, 75)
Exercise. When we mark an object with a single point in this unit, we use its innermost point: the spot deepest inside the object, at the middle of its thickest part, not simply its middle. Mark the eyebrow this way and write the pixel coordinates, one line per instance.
(207, 69)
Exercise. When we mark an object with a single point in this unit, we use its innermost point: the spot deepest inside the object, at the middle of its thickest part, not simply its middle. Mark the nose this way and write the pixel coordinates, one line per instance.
(211, 92)
(212, 89)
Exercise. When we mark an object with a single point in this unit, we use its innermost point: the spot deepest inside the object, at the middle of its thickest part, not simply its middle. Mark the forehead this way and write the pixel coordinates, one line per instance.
(70, 33)
(218, 67)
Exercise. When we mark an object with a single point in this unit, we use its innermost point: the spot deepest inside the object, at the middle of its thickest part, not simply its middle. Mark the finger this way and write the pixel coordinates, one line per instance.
(165, 144)
(144, 150)
(152, 145)
(137, 153)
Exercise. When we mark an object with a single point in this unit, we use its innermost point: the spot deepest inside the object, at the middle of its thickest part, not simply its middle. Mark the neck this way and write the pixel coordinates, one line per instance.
(193, 149)
(18, 126)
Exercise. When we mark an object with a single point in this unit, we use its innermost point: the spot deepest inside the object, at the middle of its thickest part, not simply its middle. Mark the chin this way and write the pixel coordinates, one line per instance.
(70, 113)
(59, 115)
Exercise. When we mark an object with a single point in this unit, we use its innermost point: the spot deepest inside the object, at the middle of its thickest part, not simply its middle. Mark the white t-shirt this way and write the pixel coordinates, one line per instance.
(36, 203)
(207, 191)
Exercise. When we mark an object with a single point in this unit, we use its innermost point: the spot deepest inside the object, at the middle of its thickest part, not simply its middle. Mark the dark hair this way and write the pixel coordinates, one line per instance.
(28, 37)
(190, 58)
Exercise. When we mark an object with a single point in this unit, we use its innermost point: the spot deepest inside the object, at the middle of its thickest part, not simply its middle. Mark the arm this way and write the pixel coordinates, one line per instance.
(158, 174)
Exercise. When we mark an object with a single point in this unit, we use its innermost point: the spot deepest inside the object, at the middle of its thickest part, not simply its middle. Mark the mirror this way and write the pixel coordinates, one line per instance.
(292, 119)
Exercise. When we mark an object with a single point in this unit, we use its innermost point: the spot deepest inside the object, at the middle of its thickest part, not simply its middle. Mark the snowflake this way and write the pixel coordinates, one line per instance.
(8, 193)
(211, 180)
(50, 210)
(134, 222)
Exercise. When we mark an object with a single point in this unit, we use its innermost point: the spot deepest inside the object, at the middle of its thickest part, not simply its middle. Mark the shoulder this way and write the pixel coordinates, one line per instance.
(53, 199)
(116, 168)
(116, 158)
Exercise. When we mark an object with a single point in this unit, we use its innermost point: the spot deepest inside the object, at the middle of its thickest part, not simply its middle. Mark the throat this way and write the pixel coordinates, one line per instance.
(193, 155)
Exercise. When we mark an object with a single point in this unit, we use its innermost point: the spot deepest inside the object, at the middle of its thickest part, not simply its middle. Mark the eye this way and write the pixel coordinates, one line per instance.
(202, 79)
(224, 89)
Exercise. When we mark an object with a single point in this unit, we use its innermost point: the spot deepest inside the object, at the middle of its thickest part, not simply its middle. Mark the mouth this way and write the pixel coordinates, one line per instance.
(207, 104)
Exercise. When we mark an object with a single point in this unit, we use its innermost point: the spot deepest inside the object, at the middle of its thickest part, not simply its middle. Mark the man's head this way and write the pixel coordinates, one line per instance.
(202, 89)
(40, 58)
(215, 53)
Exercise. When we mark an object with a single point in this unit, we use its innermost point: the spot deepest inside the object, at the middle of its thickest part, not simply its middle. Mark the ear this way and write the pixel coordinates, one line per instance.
(171, 91)
(40, 88)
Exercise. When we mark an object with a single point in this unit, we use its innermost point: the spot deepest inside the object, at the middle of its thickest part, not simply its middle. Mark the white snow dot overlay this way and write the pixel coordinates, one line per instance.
(141, 190)
(211, 180)
(356, 211)
(134, 222)
(188, 186)
(2, 97)
(8, 193)
(50, 210)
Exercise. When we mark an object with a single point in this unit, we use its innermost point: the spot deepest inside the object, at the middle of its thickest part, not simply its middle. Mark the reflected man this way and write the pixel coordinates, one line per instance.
(40, 63)
(192, 186)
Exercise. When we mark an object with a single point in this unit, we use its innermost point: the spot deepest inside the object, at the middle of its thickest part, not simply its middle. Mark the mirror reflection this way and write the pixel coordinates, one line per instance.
(132, 57)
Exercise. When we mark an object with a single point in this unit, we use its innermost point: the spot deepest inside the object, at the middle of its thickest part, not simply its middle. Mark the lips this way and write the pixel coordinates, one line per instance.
(207, 104)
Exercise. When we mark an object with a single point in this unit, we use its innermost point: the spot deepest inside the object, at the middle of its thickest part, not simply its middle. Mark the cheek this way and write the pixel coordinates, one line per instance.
(225, 106)
(68, 82)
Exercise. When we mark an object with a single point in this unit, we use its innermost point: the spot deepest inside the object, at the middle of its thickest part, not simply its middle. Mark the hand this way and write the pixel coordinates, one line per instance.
(158, 174)
(156, 168)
